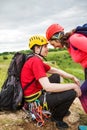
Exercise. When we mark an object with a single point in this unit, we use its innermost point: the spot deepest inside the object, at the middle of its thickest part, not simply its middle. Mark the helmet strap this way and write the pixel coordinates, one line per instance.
(40, 50)
(40, 53)
(42, 57)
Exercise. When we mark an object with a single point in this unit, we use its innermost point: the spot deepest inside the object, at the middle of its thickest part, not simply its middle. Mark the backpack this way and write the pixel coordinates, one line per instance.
(82, 29)
(11, 95)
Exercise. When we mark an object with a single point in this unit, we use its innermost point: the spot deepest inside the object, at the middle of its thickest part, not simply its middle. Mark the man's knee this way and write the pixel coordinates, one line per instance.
(72, 94)
(54, 78)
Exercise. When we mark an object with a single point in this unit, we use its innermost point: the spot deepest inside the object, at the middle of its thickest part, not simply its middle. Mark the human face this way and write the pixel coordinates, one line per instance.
(44, 50)
(55, 43)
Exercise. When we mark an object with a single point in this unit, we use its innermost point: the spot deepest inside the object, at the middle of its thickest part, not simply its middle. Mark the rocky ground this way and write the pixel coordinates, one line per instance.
(18, 120)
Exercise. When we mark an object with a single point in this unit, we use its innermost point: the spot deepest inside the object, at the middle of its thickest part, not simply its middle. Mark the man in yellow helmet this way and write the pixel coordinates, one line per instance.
(59, 97)
(38, 41)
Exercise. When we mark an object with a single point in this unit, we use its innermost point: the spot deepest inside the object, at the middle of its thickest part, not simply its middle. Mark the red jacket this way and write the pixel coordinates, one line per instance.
(79, 55)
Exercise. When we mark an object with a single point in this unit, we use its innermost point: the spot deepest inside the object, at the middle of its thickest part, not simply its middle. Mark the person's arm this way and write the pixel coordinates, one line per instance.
(64, 74)
(56, 87)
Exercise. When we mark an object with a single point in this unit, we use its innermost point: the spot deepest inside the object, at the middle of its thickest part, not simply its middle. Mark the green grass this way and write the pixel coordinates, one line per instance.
(4, 64)
(64, 61)
(60, 59)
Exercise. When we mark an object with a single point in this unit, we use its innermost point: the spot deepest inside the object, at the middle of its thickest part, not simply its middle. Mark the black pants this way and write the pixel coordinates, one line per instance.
(60, 102)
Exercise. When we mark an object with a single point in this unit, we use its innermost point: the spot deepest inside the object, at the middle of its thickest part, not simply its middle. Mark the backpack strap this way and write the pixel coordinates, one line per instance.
(74, 47)
(28, 57)
(28, 84)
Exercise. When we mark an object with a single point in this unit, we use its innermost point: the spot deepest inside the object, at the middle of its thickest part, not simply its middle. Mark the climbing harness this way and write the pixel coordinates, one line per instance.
(37, 113)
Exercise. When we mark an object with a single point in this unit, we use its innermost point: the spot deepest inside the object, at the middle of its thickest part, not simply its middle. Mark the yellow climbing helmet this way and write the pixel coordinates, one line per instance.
(37, 40)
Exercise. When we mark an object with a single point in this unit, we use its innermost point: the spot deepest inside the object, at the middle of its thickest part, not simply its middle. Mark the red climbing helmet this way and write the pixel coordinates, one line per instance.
(52, 29)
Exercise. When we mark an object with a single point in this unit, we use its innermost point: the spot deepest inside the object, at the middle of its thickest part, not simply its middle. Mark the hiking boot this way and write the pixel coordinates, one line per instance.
(53, 119)
(61, 125)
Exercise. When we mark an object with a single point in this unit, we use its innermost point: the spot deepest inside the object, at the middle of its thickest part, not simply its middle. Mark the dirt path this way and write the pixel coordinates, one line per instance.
(18, 120)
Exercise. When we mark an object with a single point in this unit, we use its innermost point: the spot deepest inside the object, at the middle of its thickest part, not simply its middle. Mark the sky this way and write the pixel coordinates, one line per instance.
(20, 19)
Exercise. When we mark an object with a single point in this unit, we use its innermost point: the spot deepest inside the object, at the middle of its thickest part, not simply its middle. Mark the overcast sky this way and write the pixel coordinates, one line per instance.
(19, 19)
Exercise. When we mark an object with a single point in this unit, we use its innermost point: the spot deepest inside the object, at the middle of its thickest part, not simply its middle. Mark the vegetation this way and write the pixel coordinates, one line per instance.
(64, 61)
(58, 58)
(4, 63)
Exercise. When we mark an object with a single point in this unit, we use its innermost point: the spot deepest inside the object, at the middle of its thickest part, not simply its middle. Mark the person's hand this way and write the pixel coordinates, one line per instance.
(77, 89)
(76, 80)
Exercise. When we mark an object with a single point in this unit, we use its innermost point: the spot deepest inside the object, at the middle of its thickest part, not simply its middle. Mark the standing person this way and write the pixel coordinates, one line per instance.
(76, 43)
(59, 97)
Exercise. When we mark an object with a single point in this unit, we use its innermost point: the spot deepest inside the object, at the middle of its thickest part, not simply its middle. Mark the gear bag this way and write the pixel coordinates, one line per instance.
(82, 127)
(11, 95)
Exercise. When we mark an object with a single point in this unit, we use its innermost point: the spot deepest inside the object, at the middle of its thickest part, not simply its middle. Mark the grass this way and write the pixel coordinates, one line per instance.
(4, 64)
(64, 61)
(59, 59)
